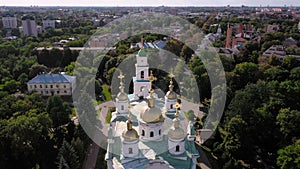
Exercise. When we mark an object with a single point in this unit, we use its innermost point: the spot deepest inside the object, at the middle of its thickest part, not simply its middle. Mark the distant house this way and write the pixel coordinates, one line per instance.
(275, 50)
(290, 42)
(239, 34)
(215, 36)
(50, 84)
(228, 52)
(9, 22)
(48, 22)
(272, 28)
(158, 44)
(29, 26)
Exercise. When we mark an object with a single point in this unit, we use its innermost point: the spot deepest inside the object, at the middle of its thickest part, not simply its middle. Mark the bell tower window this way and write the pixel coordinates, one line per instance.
(143, 132)
(142, 74)
(130, 150)
(177, 148)
(151, 134)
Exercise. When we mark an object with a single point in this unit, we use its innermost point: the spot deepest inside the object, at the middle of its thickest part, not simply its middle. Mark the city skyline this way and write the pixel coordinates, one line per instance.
(151, 3)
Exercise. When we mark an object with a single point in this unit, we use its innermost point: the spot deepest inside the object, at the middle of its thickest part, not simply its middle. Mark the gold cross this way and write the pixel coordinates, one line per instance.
(129, 116)
(151, 78)
(177, 106)
(171, 75)
(121, 76)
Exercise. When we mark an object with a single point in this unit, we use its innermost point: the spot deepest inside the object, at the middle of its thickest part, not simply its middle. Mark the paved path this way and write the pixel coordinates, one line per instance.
(102, 116)
(92, 155)
(186, 106)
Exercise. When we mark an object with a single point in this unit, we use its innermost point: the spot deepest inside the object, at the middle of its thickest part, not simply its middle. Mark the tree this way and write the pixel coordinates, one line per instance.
(276, 73)
(70, 68)
(247, 50)
(289, 122)
(173, 46)
(227, 62)
(247, 72)
(256, 129)
(36, 69)
(58, 111)
(67, 157)
(295, 73)
(15, 32)
(290, 62)
(26, 136)
(289, 157)
(186, 53)
(12, 86)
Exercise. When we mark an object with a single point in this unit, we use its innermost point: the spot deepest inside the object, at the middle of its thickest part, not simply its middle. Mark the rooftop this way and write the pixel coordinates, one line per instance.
(51, 79)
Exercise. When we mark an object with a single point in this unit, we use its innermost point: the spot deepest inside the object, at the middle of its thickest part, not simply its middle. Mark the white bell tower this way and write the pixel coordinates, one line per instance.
(140, 81)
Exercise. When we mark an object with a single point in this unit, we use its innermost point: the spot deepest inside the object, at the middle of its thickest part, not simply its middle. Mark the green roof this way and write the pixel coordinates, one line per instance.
(142, 53)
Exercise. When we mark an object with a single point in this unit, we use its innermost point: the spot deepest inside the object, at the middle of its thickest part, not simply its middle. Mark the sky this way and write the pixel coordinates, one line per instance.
(149, 2)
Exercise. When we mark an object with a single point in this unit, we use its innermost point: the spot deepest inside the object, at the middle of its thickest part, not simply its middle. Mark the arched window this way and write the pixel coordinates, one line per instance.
(159, 131)
(177, 148)
(171, 106)
(122, 107)
(142, 74)
(143, 132)
(151, 134)
(129, 150)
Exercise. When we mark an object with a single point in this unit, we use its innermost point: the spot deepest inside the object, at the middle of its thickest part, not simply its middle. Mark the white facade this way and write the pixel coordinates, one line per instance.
(130, 149)
(9, 22)
(169, 104)
(48, 24)
(29, 27)
(122, 106)
(176, 146)
(46, 84)
(151, 131)
(141, 82)
(64, 89)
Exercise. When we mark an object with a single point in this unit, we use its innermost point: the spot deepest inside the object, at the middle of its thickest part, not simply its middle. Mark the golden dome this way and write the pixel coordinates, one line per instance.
(122, 96)
(171, 95)
(130, 134)
(152, 114)
(176, 132)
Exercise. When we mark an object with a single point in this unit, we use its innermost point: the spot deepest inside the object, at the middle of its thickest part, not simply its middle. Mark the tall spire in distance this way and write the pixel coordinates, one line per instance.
(142, 42)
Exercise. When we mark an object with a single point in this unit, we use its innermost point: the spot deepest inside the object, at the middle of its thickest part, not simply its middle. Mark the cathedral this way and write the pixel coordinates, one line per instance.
(146, 131)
